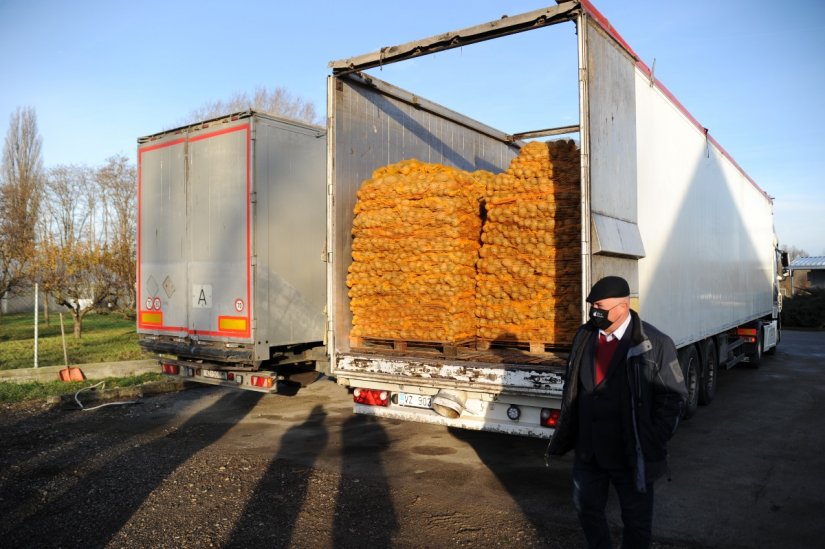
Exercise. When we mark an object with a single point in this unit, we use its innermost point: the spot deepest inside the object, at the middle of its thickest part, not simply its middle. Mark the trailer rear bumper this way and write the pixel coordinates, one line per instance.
(511, 399)
(493, 418)
(526, 379)
(198, 350)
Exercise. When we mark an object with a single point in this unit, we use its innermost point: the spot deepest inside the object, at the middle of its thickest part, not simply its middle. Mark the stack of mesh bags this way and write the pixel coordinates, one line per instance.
(416, 240)
(529, 274)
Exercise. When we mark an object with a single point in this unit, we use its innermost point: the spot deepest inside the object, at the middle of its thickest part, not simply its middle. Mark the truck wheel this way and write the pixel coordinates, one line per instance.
(689, 360)
(710, 369)
(755, 358)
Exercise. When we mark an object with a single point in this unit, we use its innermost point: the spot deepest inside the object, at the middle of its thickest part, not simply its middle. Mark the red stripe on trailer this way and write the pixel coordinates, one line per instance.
(161, 145)
(219, 132)
(591, 10)
(248, 233)
(142, 150)
(603, 22)
(248, 332)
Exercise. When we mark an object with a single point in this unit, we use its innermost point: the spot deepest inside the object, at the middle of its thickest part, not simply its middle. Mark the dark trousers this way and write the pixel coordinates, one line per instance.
(590, 488)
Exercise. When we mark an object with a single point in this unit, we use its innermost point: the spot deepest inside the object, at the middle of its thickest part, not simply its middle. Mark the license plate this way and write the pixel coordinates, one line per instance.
(214, 374)
(416, 401)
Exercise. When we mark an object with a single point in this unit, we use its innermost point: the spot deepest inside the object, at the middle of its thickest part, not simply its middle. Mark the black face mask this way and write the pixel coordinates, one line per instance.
(598, 318)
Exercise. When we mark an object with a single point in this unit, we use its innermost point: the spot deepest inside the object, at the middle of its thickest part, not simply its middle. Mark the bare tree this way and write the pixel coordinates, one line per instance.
(75, 264)
(20, 186)
(794, 252)
(118, 191)
(277, 102)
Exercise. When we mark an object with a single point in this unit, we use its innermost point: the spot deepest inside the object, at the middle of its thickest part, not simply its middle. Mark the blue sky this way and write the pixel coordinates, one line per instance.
(100, 73)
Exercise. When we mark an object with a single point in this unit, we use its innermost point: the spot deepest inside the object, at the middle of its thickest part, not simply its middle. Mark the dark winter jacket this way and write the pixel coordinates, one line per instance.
(657, 394)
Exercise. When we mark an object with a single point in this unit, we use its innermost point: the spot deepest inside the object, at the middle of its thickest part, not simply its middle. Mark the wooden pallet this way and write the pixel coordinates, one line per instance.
(449, 349)
(513, 356)
(472, 350)
(532, 347)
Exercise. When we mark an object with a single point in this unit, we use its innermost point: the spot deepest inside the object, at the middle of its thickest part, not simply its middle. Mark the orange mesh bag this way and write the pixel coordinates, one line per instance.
(529, 272)
(414, 252)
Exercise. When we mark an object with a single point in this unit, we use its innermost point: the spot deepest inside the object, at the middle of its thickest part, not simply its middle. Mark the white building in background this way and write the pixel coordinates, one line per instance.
(815, 266)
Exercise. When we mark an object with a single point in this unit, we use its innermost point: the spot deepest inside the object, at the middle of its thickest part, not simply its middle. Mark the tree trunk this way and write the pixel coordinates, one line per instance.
(78, 323)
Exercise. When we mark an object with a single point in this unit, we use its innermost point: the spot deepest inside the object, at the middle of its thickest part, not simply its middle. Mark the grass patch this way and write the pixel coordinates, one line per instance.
(37, 390)
(106, 338)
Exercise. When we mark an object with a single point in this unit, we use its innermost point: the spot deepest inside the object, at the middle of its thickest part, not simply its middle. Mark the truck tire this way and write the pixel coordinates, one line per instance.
(689, 360)
(755, 357)
(710, 369)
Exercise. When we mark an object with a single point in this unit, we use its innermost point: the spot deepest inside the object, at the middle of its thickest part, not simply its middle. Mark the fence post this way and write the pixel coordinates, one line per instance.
(35, 324)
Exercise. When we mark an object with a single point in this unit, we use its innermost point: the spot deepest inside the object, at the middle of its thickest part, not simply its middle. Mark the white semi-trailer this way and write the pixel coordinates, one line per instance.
(662, 204)
(230, 247)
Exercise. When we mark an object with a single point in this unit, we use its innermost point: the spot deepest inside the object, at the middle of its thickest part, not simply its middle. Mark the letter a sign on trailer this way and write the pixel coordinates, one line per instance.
(201, 296)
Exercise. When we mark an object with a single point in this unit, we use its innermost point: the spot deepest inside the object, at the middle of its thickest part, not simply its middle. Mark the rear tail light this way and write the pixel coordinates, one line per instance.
(748, 334)
(262, 381)
(550, 417)
(170, 369)
(371, 397)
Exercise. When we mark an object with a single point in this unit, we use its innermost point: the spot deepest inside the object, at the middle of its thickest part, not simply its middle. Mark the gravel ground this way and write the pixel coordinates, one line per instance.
(214, 467)
(217, 468)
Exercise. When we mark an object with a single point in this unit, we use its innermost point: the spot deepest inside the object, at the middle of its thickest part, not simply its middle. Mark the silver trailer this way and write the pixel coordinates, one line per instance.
(663, 205)
(230, 273)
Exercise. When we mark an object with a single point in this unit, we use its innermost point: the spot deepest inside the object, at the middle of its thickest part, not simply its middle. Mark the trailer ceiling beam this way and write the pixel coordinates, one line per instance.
(456, 39)
(545, 133)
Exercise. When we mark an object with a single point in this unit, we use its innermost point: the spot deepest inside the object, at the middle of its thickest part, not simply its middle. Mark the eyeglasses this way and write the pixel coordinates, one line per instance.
(611, 308)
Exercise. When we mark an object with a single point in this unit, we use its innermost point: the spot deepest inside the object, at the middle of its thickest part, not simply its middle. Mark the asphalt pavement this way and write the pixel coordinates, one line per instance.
(749, 469)
(226, 468)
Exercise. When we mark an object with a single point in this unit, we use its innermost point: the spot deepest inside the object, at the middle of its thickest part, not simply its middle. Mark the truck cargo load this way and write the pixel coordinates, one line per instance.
(231, 280)
(657, 201)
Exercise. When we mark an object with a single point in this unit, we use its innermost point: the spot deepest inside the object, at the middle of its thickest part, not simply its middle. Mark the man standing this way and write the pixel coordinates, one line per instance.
(622, 402)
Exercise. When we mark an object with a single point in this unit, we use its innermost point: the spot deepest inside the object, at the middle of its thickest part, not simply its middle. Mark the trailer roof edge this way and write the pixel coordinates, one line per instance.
(229, 117)
(507, 25)
(454, 39)
(588, 8)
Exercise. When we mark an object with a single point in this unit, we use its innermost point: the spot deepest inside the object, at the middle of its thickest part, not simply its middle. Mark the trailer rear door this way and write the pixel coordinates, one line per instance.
(194, 244)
